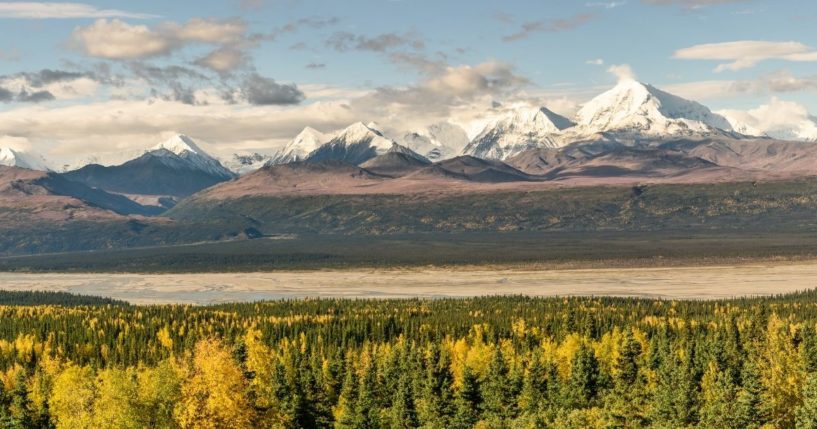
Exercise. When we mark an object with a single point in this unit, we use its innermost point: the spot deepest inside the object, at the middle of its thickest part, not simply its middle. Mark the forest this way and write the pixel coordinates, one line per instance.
(492, 362)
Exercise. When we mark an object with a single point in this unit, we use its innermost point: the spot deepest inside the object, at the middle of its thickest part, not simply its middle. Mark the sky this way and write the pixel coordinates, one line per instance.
(86, 79)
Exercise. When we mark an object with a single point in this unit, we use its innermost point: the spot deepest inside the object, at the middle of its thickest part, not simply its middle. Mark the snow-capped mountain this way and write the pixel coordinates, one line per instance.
(246, 163)
(177, 167)
(14, 158)
(356, 144)
(437, 142)
(183, 147)
(517, 131)
(301, 146)
(638, 109)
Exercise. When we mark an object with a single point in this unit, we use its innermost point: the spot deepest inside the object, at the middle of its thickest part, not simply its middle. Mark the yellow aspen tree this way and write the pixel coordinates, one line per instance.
(72, 398)
(213, 397)
(116, 400)
(782, 373)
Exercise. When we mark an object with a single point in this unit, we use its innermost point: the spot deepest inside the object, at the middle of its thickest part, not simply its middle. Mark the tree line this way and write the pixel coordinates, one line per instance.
(498, 362)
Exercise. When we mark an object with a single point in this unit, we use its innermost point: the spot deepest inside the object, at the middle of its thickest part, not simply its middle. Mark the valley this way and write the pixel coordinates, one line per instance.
(668, 283)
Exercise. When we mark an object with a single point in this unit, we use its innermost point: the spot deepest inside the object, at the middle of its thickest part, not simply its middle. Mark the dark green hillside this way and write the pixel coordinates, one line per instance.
(772, 206)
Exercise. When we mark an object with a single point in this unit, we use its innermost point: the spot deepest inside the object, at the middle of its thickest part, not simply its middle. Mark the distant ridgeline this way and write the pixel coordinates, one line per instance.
(453, 363)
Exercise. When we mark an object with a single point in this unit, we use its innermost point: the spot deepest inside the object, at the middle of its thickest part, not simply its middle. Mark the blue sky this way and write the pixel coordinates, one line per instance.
(307, 60)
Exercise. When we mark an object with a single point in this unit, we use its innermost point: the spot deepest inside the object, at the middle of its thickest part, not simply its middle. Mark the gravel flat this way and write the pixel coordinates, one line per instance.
(666, 283)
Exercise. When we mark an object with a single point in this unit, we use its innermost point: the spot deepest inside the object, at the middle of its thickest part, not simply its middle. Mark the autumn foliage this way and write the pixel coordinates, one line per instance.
(505, 362)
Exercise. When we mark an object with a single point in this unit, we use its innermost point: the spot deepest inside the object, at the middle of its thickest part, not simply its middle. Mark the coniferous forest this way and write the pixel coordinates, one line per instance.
(502, 362)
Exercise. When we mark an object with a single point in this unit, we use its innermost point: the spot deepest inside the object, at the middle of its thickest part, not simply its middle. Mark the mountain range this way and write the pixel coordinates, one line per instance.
(632, 135)
(630, 112)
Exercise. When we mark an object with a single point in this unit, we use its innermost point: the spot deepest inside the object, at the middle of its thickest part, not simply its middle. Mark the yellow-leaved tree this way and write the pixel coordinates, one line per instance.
(72, 398)
(116, 400)
(213, 396)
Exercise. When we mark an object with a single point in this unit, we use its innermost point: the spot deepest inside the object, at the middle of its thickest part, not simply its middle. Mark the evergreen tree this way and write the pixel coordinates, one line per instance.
(403, 412)
(747, 405)
(20, 404)
(584, 378)
(468, 401)
(806, 416)
(437, 398)
(345, 412)
(367, 410)
(497, 392)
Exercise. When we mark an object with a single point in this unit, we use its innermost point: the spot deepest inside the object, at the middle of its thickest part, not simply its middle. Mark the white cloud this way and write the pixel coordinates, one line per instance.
(38, 10)
(781, 81)
(622, 72)
(15, 143)
(64, 133)
(118, 40)
(745, 54)
(596, 62)
(223, 59)
(467, 81)
(206, 30)
(779, 118)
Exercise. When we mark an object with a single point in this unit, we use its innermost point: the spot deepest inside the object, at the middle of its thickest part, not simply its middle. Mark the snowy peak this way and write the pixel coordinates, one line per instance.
(356, 144)
(517, 131)
(637, 108)
(537, 120)
(13, 158)
(300, 147)
(246, 163)
(179, 144)
(437, 142)
(358, 132)
(183, 152)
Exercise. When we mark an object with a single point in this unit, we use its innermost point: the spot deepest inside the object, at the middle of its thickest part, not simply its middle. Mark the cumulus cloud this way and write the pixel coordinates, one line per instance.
(623, 72)
(779, 119)
(491, 77)
(117, 40)
(596, 62)
(202, 30)
(224, 59)
(745, 54)
(39, 10)
(263, 91)
(550, 26)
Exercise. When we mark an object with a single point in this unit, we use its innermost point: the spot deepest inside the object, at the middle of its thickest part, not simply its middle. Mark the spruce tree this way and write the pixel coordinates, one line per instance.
(497, 393)
(345, 412)
(468, 401)
(806, 417)
(584, 378)
(403, 412)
